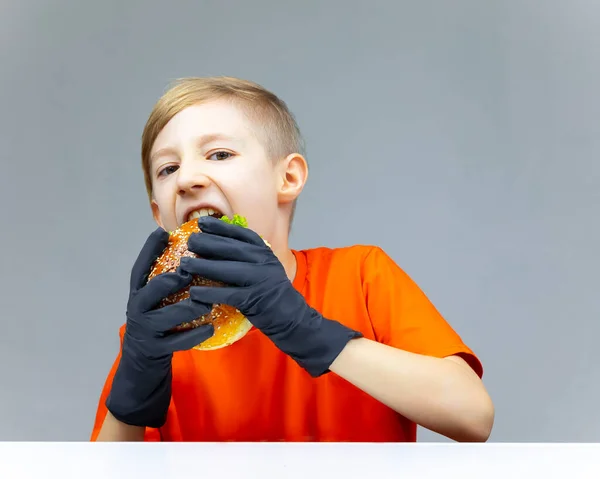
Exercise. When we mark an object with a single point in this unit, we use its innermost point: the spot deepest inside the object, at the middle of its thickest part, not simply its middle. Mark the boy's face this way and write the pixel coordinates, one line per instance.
(208, 156)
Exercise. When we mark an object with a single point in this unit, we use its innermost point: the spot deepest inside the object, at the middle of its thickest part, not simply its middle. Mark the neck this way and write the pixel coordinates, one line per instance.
(288, 260)
(279, 242)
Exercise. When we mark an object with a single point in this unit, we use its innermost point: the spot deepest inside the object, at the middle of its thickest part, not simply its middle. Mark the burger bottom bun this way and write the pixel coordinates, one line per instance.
(229, 323)
(230, 326)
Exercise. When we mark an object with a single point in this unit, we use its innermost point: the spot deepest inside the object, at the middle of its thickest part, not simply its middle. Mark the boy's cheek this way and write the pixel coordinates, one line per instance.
(164, 216)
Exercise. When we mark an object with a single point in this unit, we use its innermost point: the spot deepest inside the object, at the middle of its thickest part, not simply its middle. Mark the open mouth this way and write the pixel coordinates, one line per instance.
(204, 212)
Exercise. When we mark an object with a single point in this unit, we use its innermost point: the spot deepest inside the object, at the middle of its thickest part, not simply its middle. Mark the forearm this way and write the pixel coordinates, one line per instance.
(116, 431)
(436, 393)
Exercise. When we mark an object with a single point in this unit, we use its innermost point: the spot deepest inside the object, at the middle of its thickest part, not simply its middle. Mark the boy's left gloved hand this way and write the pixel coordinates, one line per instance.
(259, 287)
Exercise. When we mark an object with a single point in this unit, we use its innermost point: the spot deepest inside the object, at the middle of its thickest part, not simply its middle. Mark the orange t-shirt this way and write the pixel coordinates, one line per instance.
(251, 391)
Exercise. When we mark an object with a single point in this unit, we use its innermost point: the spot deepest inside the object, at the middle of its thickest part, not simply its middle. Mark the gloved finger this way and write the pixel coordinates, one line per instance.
(159, 288)
(184, 340)
(210, 246)
(153, 247)
(229, 272)
(164, 319)
(219, 295)
(208, 224)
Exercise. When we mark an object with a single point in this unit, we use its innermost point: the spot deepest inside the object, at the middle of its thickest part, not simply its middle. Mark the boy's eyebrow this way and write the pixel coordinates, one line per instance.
(163, 151)
(210, 137)
(200, 141)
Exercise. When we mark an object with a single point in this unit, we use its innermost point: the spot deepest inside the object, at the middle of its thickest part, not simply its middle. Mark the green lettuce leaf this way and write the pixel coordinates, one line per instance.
(236, 220)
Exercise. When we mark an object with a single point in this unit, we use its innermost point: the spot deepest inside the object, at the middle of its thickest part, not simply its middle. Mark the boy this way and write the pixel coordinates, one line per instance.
(345, 347)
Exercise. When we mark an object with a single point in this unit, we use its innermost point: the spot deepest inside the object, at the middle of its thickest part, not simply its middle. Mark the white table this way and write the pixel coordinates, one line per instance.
(288, 460)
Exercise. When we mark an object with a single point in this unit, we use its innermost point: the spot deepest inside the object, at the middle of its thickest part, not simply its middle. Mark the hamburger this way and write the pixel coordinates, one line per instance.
(229, 323)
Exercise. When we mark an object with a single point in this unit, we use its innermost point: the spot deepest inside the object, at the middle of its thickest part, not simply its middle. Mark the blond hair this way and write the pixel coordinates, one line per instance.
(269, 114)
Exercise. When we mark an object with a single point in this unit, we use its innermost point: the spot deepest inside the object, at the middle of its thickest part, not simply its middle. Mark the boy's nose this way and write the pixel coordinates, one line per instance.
(190, 179)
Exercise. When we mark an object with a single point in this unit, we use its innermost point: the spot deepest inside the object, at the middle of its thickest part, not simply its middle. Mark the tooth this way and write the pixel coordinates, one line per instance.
(201, 212)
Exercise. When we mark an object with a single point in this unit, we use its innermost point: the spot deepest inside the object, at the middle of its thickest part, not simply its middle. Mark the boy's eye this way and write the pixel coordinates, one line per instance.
(220, 155)
(168, 170)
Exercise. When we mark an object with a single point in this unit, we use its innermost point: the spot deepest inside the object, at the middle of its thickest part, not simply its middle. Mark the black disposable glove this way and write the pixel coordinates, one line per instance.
(259, 287)
(141, 389)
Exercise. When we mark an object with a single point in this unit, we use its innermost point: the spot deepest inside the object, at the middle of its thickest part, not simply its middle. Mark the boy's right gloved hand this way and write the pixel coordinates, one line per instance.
(141, 388)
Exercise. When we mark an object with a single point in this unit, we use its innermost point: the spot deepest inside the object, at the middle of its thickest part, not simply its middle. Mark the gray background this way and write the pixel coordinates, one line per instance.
(461, 136)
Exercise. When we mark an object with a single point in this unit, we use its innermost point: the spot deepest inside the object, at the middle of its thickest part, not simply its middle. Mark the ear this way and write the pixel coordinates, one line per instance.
(156, 214)
(293, 173)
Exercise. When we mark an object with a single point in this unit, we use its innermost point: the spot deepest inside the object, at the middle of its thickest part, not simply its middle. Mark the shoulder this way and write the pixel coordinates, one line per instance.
(371, 270)
(350, 255)
(346, 270)
(361, 259)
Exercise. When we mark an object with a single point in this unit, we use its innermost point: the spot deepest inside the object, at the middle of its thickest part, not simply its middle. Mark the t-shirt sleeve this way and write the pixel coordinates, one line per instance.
(151, 434)
(403, 316)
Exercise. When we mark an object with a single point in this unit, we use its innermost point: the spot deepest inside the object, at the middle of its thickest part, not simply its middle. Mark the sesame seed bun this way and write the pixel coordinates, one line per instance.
(230, 325)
